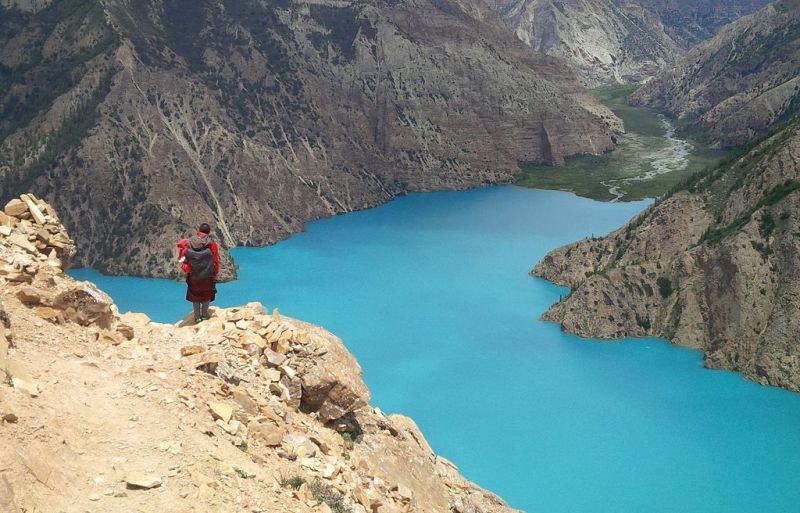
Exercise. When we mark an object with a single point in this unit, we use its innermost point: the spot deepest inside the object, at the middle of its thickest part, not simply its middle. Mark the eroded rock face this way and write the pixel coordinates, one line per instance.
(596, 37)
(618, 41)
(330, 376)
(739, 84)
(714, 267)
(260, 116)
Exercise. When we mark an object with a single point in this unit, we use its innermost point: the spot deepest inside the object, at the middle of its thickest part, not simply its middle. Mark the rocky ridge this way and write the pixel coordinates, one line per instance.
(619, 41)
(247, 411)
(713, 266)
(604, 42)
(738, 84)
(138, 120)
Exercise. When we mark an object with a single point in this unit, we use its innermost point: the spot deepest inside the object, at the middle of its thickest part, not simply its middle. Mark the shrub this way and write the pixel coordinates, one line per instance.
(664, 287)
(325, 494)
(643, 322)
(293, 482)
(766, 225)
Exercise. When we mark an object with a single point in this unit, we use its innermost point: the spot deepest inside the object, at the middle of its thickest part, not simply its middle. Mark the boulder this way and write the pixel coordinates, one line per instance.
(245, 401)
(330, 376)
(15, 208)
(31, 296)
(49, 314)
(7, 221)
(135, 319)
(126, 330)
(294, 387)
(300, 445)
(108, 338)
(34, 209)
(272, 375)
(275, 359)
(84, 304)
(140, 480)
(249, 338)
(190, 350)
(266, 431)
(221, 411)
(22, 241)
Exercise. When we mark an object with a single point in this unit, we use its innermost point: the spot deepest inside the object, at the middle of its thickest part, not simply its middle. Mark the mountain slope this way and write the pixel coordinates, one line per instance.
(617, 41)
(714, 267)
(140, 119)
(738, 84)
(691, 22)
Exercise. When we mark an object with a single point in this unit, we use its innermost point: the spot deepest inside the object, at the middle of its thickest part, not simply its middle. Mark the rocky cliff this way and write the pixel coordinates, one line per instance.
(738, 84)
(714, 266)
(618, 41)
(138, 120)
(248, 411)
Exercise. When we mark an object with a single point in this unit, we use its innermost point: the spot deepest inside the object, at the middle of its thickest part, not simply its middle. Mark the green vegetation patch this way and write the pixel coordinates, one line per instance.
(293, 482)
(325, 494)
(630, 167)
(664, 287)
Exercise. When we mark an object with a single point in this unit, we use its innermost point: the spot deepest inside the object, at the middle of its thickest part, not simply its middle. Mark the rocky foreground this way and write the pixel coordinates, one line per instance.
(715, 266)
(247, 412)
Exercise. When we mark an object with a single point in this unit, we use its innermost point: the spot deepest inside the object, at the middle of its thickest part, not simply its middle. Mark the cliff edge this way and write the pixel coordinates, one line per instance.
(713, 266)
(248, 411)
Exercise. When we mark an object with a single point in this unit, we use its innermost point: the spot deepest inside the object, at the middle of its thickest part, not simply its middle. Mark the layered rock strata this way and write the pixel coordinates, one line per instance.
(618, 41)
(714, 266)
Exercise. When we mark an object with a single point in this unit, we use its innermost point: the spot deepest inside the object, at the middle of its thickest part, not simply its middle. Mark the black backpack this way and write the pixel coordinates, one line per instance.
(201, 262)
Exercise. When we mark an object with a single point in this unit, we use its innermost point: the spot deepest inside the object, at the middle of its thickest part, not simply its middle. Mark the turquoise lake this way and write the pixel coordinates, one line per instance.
(431, 293)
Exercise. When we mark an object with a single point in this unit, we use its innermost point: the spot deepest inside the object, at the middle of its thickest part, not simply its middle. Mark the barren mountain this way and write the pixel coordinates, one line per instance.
(140, 119)
(247, 411)
(715, 266)
(618, 41)
(738, 84)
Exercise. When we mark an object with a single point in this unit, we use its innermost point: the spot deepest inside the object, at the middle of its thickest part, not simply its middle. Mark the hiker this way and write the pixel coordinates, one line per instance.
(199, 258)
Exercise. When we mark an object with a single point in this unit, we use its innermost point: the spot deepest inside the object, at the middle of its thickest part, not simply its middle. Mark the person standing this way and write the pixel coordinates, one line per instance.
(199, 257)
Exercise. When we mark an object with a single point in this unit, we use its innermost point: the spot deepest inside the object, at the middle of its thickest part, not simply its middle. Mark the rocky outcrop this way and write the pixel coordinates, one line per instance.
(245, 411)
(714, 266)
(739, 84)
(619, 41)
(260, 116)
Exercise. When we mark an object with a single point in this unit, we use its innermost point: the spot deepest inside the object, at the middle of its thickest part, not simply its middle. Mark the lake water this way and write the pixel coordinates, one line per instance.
(432, 295)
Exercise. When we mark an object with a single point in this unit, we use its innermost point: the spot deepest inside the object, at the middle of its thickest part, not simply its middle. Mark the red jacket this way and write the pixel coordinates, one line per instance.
(184, 243)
